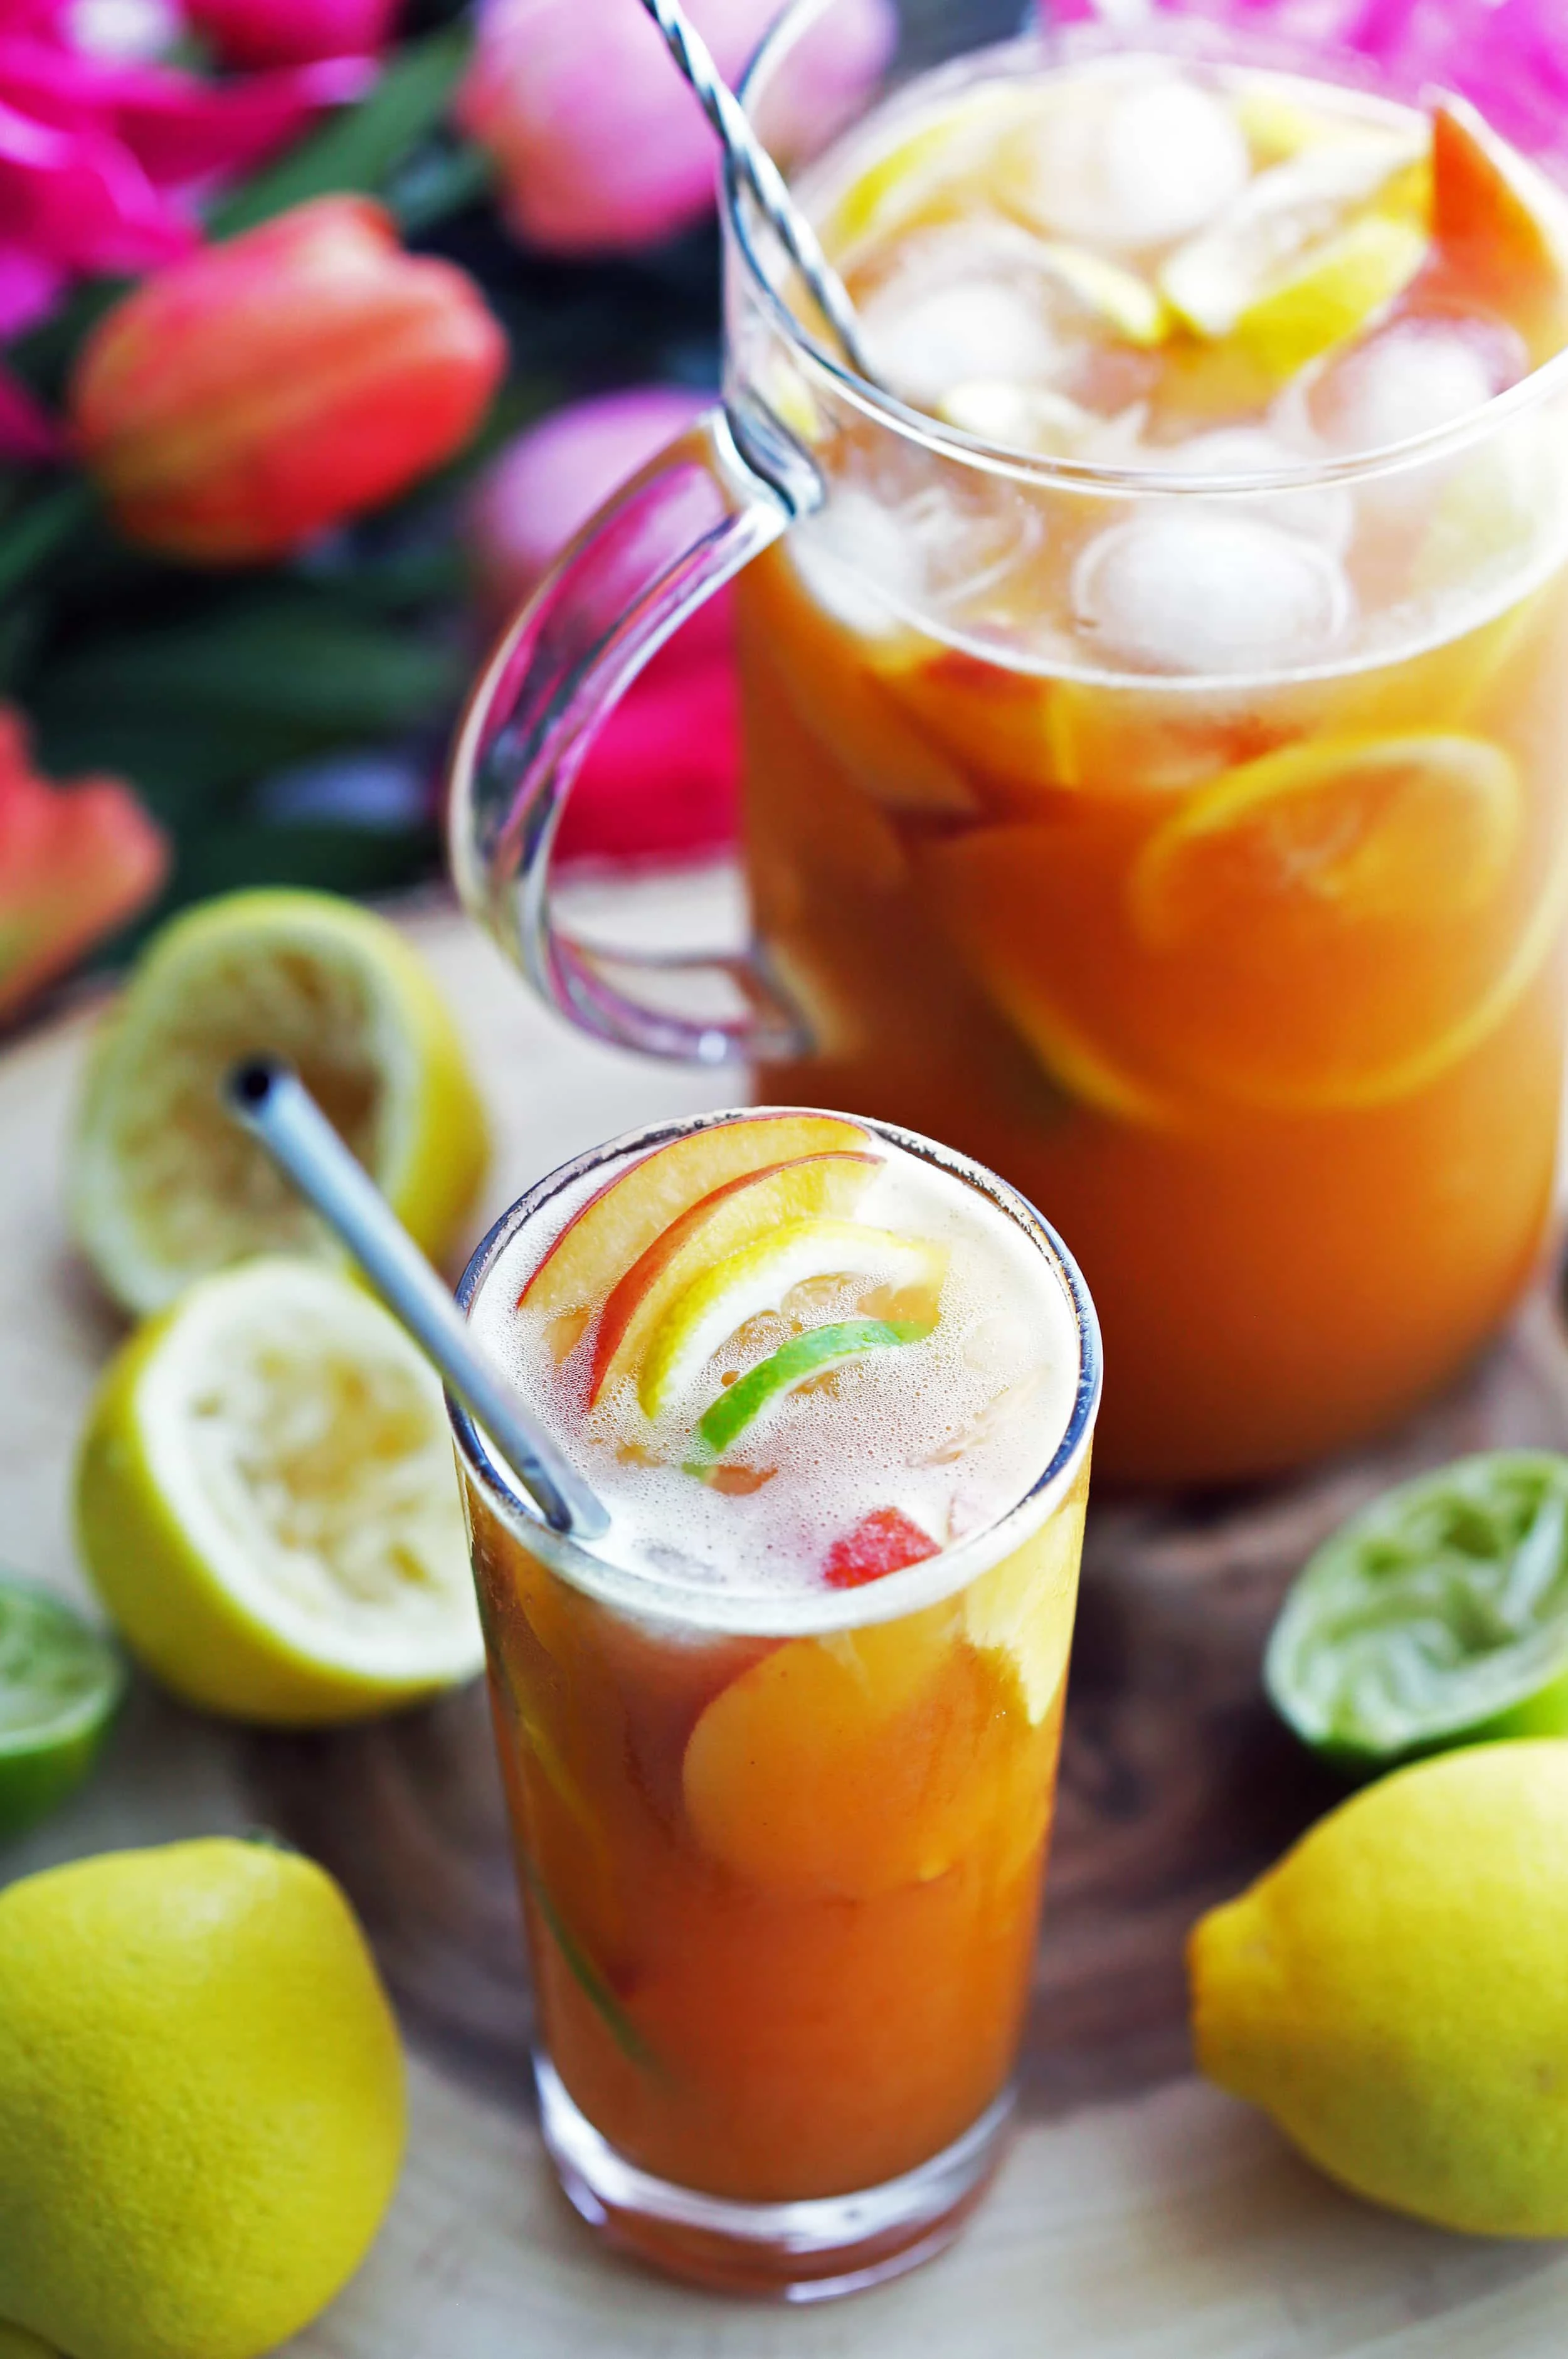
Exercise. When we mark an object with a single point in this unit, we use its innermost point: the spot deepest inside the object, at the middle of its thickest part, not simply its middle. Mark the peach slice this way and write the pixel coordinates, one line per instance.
(600, 1243)
(718, 1224)
(870, 1762)
(1489, 222)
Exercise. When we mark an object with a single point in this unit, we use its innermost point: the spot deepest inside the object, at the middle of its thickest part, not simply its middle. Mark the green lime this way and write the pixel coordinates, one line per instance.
(60, 1684)
(794, 1363)
(1436, 1617)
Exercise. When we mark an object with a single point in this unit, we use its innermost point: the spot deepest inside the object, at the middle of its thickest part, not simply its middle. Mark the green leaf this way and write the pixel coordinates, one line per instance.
(361, 147)
(288, 661)
(437, 182)
(30, 537)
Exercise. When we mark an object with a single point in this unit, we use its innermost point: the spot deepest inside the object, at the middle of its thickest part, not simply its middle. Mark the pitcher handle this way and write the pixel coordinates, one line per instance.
(678, 531)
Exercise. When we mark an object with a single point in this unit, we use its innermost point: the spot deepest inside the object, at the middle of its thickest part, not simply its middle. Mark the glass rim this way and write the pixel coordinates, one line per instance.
(790, 1613)
(1172, 36)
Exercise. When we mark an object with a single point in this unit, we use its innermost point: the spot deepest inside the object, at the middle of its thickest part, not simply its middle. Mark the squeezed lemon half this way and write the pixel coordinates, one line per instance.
(266, 1503)
(164, 1185)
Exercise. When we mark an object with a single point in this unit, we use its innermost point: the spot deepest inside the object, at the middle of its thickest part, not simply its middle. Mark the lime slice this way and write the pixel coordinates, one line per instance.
(60, 1685)
(1436, 1617)
(794, 1363)
(265, 1501)
(166, 1187)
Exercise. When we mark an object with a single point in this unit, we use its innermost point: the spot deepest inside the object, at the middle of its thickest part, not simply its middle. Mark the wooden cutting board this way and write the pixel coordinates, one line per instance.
(1140, 2215)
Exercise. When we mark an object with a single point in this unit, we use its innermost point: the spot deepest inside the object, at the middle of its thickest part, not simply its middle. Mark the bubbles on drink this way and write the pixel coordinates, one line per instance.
(771, 1363)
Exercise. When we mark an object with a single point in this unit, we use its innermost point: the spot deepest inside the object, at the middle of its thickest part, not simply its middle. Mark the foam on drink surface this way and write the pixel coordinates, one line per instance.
(952, 1430)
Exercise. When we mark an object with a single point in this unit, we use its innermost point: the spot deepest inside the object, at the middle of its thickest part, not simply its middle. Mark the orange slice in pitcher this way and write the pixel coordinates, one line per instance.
(1336, 924)
(1417, 828)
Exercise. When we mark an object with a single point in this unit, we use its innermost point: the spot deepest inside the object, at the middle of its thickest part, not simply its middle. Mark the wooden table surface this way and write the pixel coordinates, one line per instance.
(1140, 2215)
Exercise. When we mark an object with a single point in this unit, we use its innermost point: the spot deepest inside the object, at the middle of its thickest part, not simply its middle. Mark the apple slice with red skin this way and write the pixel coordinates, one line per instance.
(601, 1241)
(718, 1224)
(1486, 224)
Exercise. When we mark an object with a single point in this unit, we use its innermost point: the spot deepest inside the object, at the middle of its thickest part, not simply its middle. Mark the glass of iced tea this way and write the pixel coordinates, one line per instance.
(780, 1752)
(1155, 694)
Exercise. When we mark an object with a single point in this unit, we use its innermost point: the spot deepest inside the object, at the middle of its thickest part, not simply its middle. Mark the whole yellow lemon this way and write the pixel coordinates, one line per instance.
(202, 2104)
(1394, 1991)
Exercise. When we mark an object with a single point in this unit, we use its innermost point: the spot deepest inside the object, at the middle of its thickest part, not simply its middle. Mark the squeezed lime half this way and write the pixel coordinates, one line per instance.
(1436, 1617)
(60, 1684)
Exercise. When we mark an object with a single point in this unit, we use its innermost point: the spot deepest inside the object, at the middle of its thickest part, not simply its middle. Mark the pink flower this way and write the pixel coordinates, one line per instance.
(75, 862)
(660, 778)
(600, 146)
(293, 32)
(101, 160)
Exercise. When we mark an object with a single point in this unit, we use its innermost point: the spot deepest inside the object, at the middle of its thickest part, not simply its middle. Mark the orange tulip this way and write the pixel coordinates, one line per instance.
(244, 398)
(75, 862)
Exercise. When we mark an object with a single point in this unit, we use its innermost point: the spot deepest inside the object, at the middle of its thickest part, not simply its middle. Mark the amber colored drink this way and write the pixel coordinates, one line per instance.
(1199, 863)
(781, 1834)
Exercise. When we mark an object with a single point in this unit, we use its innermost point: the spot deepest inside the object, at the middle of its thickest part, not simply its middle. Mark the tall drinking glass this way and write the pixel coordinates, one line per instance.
(1249, 970)
(781, 1849)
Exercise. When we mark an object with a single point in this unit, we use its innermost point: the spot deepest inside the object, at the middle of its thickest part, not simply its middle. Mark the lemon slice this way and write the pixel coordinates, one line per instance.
(1289, 271)
(1388, 876)
(744, 1284)
(1112, 293)
(265, 1501)
(165, 1187)
(1419, 828)
(1023, 1608)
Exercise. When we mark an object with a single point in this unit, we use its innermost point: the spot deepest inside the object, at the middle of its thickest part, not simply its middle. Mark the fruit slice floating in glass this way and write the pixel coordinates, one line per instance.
(1310, 254)
(758, 1279)
(60, 1685)
(1392, 877)
(734, 1215)
(1490, 214)
(763, 1388)
(1436, 1617)
(601, 1241)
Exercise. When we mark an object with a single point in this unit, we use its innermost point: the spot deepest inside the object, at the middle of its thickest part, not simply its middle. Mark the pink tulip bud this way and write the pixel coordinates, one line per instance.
(549, 478)
(293, 32)
(600, 146)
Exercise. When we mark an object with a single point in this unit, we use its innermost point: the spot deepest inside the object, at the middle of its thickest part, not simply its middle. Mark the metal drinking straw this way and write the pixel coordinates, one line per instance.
(277, 1108)
(751, 160)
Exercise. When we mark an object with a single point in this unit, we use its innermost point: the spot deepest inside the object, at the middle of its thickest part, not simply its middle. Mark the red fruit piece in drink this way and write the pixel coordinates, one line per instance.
(882, 1542)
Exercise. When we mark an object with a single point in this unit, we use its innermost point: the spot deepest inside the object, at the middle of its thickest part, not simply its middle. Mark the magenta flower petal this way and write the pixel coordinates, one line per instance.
(252, 33)
(100, 159)
(661, 779)
(183, 129)
(26, 430)
(29, 289)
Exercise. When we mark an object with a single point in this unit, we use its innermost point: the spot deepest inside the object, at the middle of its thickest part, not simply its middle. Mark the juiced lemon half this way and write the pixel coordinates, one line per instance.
(267, 1504)
(165, 1187)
